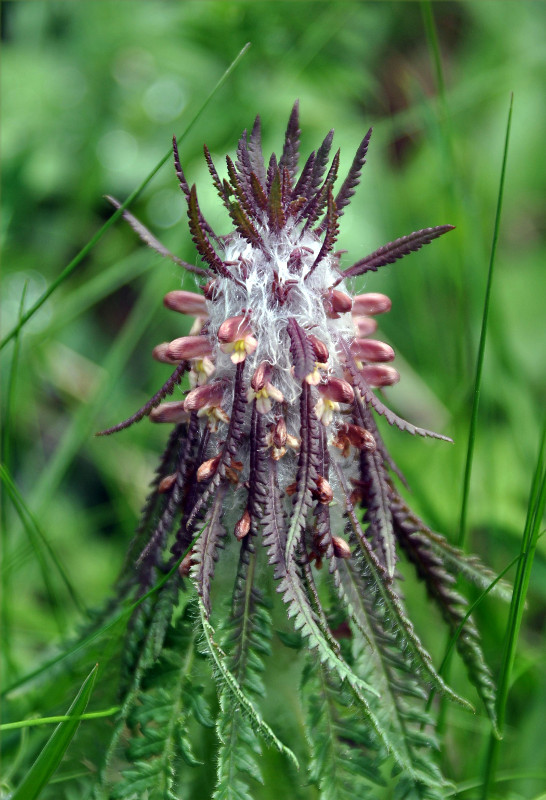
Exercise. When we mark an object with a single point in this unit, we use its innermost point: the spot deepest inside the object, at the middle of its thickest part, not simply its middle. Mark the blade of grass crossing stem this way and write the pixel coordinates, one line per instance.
(535, 513)
(50, 757)
(461, 540)
(69, 269)
(36, 723)
(38, 539)
(5, 458)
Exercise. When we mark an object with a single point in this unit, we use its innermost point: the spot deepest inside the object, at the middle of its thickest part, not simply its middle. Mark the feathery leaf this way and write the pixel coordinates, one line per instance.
(391, 252)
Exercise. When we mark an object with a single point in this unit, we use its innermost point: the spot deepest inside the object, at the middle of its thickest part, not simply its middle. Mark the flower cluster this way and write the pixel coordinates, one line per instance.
(276, 439)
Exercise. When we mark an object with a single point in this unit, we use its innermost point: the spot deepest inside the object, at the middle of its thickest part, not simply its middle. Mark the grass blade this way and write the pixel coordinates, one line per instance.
(34, 723)
(535, 513)
(461, 539)
(462, 534)
(69, 269)
(5, 458)
(56, 746)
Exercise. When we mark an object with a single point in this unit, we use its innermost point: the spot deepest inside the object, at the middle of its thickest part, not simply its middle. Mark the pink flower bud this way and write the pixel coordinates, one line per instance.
(233, 328)
(279, 433)
(371, 303)
(336, 303)
(209, 395)
(338, 390)
(359, 437)
(364, 325)
(321, 351)
(186, 303)
(189, 347)
(324, 491)
(170, 412)
(341, 548)
(167, 483)
(377, 375)
(341, 302)
(261, 376)
(209, 289)
(243, 526)
(160, 354)
(208, 468)
(185, 565)
(372, 350)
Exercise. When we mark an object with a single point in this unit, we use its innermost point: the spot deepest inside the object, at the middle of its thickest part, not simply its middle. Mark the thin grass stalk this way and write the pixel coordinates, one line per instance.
(462, 533)
(5, 458)
(501, 777)
(461, 271)
(37, 544)
(461, 538)
(535, 513)
(35, 723)
(69, 269)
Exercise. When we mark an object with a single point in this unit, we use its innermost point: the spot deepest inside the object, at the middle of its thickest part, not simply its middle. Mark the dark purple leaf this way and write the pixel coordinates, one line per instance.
(255, 151)
(289, 158)
(274, 209)
(150, 240)
(166, 389)
(303, 354)
(391, 252)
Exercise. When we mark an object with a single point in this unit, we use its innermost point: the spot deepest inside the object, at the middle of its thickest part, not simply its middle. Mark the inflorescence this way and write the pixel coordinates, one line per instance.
(276, 439)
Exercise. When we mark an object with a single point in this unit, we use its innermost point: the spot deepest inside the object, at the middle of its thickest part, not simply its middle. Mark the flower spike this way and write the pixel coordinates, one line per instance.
(275, 441)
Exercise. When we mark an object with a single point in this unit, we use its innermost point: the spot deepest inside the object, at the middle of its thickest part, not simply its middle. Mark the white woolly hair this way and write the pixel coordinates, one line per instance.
(268, 317)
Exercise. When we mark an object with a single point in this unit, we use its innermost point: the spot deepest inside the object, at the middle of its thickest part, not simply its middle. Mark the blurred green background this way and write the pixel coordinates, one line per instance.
(92, 93)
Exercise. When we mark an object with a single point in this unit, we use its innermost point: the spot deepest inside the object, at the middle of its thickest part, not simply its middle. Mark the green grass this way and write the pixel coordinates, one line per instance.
(435, 81)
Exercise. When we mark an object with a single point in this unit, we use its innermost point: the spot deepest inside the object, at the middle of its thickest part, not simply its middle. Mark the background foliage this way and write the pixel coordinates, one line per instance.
(92, 93)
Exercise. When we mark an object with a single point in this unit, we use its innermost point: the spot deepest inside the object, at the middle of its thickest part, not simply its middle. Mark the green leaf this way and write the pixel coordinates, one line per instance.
(51, 755)
(230, 683)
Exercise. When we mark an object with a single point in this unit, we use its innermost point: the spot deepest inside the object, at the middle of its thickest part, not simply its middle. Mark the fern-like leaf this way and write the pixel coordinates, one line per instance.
(255, 151)
(205, 552)
(344, 759)
(440, 587)
(290, 152)
(352, 180)
(307, 472)
(150, 240)
(229, 449)
(168, 698)
(248, 637)
(372, 572)
(229, 683)
(331, 232)
(391, 252)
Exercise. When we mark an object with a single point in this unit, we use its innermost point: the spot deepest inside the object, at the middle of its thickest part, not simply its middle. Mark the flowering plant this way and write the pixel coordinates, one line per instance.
(275, 443)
